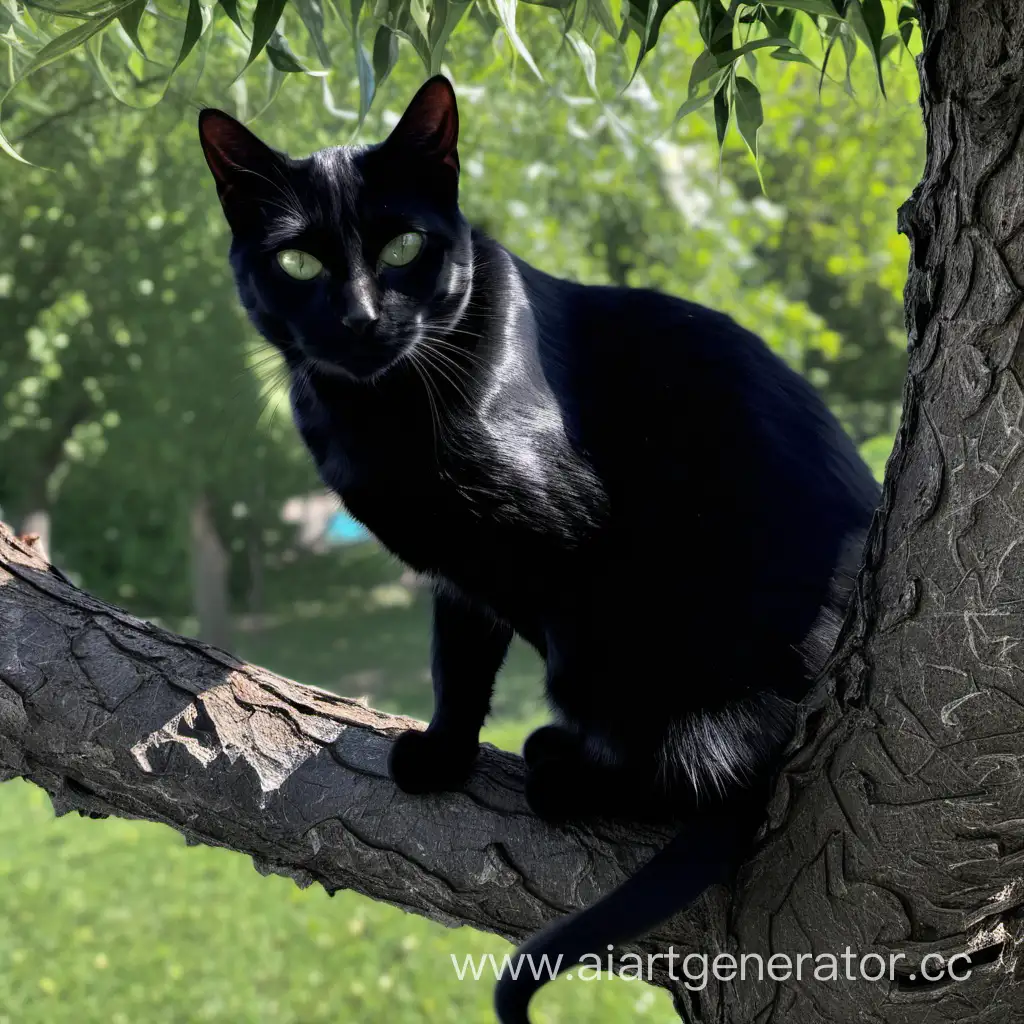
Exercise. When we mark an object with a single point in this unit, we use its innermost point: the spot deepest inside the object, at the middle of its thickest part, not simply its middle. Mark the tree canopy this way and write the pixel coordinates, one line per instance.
(143, 50)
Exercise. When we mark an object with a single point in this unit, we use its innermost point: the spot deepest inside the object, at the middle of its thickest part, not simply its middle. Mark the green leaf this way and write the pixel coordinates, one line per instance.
(692, 104)
(506, 12)
(722, 114)
(749, 116)
(722, 33)
(868, 20)
(708, 62)
(889, 43)
(716, 25)
(420, 13)
(749, 112)
(824, 63)
(66, 42)
(81, 13)
(603, 14)
(6, 147)
(385, 53)
(661, 10)
(94, 48)
(312, 14)
(849, 41)
(905, 21)
(409, 31)
(367, 83)
(777, 20)
(282, 56)
(645, 17)
(364, 67)
(698, 101)
(230, 8)
(703, 68)
(196, 23)
(485, 19)
(822, 7)
(794, 56)
(586, 56)
(130, 18)
(264, 21)
(839, 32)
(443, 20)
(726, 57)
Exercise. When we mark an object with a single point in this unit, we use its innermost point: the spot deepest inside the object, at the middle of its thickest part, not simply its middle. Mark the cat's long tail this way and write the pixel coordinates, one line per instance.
(707, 853)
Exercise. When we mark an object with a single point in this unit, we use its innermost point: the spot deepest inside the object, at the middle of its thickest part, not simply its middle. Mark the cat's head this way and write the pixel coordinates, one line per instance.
(348, 258)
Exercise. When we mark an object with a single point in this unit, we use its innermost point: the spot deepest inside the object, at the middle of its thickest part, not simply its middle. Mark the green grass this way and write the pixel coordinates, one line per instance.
(117, 922)
(344, 622)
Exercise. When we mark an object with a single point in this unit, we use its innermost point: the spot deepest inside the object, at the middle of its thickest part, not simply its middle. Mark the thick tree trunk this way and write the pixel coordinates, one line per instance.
(899, 826)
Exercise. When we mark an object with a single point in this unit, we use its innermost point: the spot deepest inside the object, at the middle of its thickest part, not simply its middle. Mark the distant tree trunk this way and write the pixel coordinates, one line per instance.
(36, 523)
(210, 564)
(37, 491)
(616, 239)
(256, 598)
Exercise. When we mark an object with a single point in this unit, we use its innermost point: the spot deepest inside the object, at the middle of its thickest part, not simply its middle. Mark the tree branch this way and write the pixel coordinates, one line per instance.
(115, 716)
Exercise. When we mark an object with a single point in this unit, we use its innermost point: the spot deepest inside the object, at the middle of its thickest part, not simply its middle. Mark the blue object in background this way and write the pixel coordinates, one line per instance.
(343, 529)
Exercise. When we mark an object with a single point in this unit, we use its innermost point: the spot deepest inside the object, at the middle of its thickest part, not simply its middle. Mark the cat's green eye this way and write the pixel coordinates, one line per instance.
(298, 264)
(401, 251)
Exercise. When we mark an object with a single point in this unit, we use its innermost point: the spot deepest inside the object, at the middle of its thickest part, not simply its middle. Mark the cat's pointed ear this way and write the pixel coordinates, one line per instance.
(242, 165)
(430, 124)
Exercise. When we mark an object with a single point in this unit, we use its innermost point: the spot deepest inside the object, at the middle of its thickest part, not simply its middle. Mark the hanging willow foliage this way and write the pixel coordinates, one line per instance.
(131, 43)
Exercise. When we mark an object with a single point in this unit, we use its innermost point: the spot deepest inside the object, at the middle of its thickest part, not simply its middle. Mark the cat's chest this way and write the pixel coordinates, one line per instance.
(468, 520)
(487, 506)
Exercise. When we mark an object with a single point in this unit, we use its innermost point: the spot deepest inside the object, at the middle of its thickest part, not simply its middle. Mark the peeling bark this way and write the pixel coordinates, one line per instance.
(113, 715)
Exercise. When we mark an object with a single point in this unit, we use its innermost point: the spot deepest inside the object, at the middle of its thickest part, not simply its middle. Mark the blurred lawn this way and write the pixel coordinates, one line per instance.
(344, 621)
(119, 922)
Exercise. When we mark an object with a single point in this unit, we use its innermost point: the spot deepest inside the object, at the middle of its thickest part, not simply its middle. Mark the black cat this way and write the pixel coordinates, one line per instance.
(633, 483)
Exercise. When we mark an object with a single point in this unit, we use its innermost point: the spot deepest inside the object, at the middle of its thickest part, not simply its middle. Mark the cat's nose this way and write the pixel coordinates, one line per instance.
(359, 319)
(358, 312)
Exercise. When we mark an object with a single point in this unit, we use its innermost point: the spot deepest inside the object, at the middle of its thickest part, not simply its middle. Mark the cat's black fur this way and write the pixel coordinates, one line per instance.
(632, 483)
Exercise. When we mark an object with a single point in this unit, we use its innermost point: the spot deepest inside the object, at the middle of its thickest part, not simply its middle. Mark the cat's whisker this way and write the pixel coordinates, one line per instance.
(437, 425)
(432, 346)
(459, 351)
(430, 359)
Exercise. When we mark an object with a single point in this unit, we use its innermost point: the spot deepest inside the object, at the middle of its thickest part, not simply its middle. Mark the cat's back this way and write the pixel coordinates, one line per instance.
(709, 446)
(661, 382)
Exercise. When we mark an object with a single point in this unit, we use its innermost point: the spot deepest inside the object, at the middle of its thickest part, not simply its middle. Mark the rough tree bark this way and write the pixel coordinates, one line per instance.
(897, 826)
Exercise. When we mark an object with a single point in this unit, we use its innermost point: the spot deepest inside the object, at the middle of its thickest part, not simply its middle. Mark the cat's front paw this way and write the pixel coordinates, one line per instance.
(429, 762)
